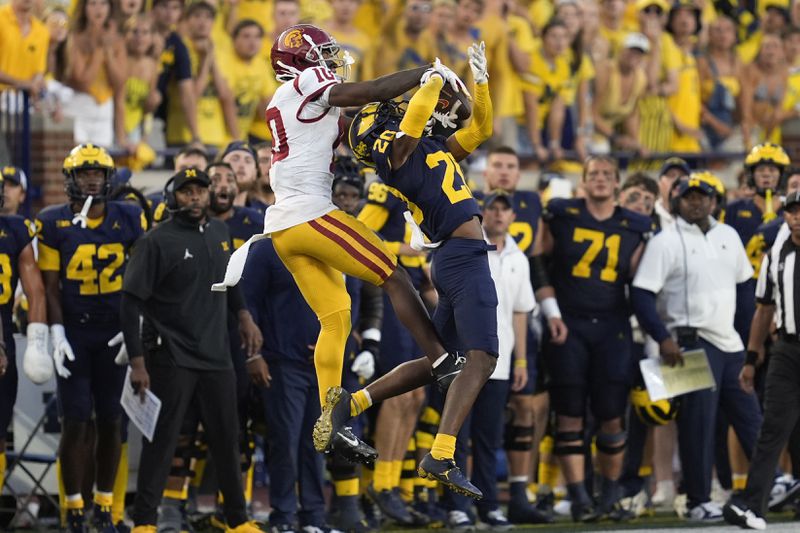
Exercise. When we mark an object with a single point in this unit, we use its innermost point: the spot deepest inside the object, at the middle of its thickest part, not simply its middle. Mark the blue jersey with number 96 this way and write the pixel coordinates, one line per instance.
(430, 182)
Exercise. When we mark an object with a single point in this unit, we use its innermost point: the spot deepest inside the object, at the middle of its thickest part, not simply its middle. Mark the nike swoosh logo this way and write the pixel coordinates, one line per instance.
(448, 375)
(352, 442)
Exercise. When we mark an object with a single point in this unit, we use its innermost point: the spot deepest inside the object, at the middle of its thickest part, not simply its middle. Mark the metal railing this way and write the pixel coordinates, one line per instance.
(15, 125)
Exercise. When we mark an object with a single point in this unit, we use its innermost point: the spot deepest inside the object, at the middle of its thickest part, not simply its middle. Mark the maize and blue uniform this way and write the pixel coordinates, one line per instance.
(15, 235)
(383, 213)
(91, 262)
(432, 184)
(291, 406)
(591, 267)
(528, 211)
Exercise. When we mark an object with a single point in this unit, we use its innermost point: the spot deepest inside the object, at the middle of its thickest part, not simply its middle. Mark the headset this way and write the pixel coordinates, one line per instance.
(169, 196)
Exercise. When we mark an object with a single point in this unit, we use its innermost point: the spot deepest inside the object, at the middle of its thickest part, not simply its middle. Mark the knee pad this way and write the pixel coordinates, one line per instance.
(611, 443)
(518, 438)
(569, 443)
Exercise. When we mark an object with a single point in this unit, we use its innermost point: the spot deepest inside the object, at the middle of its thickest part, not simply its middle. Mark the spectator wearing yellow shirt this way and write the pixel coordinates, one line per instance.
(262, 11)
(463, 33)
(619, 85)
(721, 72)
(405, 44)
(285, 13)
(791, 47)
(661, 66)
(141, 91)
(175, 70)
(595, 44)
(576, 98)
(685, 104)
(95, 69)
(612, 28)
(543, 84)
(248, 76)
(790, 107)
(216, 109)
(352, 40)
(441, 25)
(763, 92)
(775, 19)
(23, 47)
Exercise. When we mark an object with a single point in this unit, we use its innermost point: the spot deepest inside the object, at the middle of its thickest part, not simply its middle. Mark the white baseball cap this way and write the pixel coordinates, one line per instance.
(638, 41)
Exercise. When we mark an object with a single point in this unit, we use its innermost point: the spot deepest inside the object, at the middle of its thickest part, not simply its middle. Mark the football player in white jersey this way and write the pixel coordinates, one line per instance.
(318, 242)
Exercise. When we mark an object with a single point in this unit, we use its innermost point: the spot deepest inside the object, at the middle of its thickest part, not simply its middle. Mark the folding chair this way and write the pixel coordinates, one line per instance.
(20, 459)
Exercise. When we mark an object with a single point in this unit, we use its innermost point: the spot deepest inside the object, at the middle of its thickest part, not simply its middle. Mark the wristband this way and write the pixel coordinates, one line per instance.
(520, 363)
(253, 358)
(751, 358)
(550, 308)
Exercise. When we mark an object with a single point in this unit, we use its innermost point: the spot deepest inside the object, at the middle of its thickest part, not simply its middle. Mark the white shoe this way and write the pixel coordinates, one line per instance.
(664, 494)
(705, 512)
(739, 515)
(563, 508)
(784, 491)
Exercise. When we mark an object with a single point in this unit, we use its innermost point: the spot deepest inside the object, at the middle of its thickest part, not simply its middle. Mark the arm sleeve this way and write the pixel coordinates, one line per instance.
(524, 300)
(765, 288)
(654, 266)
(421, 107)
(371, 307)
(644, 306)
(129, 310)
(479, 128)
(141, 274)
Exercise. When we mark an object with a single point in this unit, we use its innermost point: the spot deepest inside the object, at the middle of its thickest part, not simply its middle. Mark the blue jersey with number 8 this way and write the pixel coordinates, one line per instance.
(15, 235)
(431, 183)
(90, 261)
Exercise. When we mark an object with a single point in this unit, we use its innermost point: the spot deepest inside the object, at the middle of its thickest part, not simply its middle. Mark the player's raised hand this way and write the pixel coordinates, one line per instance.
(61, 350)
(476, 55)
(447, 75)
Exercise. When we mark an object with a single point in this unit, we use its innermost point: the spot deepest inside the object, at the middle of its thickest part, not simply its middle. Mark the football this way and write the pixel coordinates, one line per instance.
(452, 102)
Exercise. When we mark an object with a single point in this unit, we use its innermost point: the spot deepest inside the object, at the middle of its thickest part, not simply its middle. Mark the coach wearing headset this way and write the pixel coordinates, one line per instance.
(168, 280)
(692, 271)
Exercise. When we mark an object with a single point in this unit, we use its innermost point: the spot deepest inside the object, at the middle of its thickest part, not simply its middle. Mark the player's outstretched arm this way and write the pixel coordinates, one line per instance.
(466, 140)
(414, 120)
(377, 90)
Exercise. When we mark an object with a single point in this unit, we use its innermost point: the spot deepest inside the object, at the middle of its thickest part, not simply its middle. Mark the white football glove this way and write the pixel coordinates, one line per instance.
(447, 75)
(122, 355)
(477, 62)
(61, 349)
(36, 362)
(364, 365)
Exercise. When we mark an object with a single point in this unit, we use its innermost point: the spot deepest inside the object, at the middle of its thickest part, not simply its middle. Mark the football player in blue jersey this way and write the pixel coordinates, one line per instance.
(398, 416)
(83, 250)
(424, 171)
(594, 247)
(15, 187)
(17, 263)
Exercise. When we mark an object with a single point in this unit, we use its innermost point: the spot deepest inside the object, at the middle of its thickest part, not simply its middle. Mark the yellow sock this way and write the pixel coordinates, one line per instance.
(739, 481)
(173, 494)
(645, 470)
(367, 475)
(103, 499)
(328, 360)
(346, 487)
(444, 446)
(407, 476)
(431, 483)
(197, 466)
(383, 475)
(2, 469)
(359, 402)
(248, 483)
(74, 502)
(120, 486)
(397, 470)
(62, 496)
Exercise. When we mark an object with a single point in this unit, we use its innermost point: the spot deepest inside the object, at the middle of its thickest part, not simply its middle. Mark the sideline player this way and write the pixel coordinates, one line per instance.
(83, 251)
(17, 263)
(316, 241)
(595, 247)
(424, 171)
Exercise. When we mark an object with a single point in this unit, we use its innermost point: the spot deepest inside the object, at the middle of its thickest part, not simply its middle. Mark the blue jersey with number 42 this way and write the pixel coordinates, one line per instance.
(431, 183)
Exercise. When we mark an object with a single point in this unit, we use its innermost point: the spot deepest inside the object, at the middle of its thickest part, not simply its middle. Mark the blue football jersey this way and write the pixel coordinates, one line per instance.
(244, 223)
(90, 261)
(430, 182)
(395, 229)
(528, 211)
(15, 235)
(591, 259)
(745, 217)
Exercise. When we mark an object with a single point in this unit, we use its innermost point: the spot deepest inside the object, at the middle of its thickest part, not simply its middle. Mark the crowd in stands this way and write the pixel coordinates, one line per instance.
(573, 75)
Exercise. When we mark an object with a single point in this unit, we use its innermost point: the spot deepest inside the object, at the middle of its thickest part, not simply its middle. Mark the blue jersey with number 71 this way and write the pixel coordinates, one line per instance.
(430, 182)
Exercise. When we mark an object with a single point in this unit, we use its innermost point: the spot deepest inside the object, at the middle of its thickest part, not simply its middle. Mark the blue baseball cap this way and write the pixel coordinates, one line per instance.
(498, 194)
(675, 162)
(696, 184)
